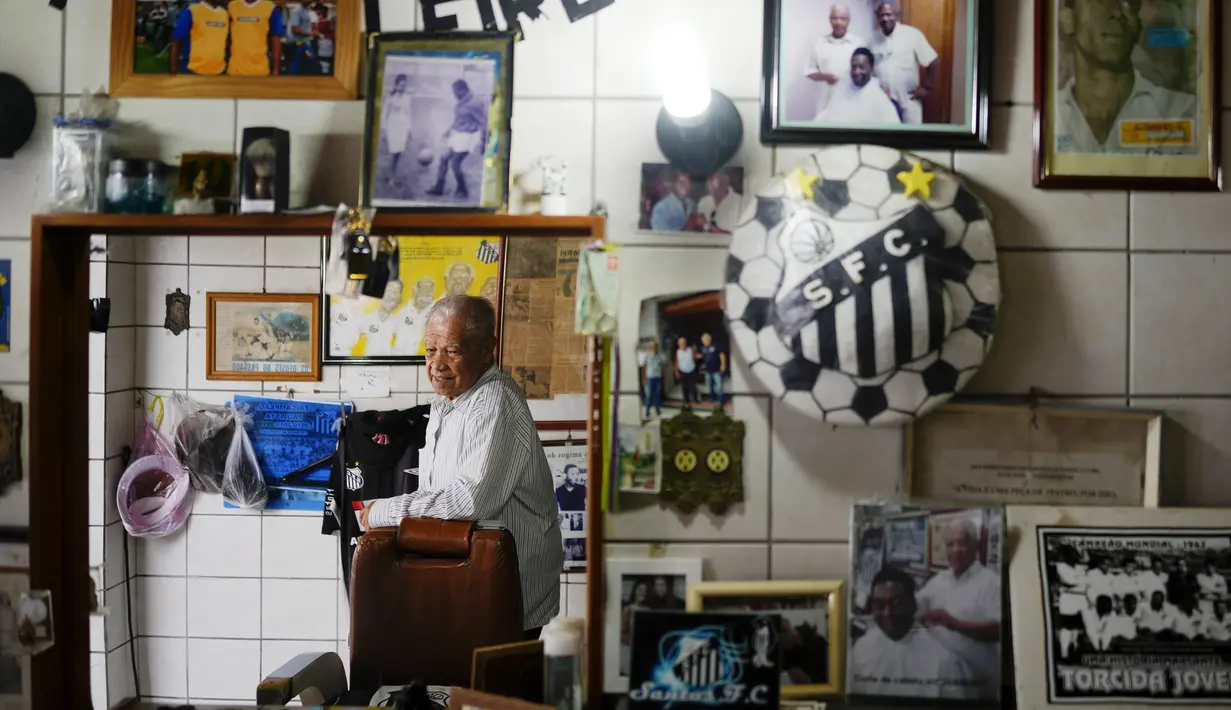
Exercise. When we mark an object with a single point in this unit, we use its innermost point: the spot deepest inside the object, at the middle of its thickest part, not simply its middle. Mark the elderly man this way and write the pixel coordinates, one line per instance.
(483, 459)
(962, 605)
(830, 59)
(897, 656)
(900, 51)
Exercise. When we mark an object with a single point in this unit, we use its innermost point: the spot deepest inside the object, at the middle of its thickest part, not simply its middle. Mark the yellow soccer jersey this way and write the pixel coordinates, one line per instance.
(207, 53)
(251, 25)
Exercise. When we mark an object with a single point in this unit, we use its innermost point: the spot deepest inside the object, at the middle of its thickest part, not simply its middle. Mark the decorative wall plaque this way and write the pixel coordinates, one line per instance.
(178, 306)
(702, 462)
(10, 443)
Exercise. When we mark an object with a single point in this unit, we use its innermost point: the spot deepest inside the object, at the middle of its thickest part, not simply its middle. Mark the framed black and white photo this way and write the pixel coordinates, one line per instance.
(903, 73)
(634, 585)
(924, 615)
(1118, 607)
(438, 114)
(569, 461)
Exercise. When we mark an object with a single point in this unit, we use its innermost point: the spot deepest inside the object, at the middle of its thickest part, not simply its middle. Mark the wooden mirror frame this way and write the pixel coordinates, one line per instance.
(59, 416)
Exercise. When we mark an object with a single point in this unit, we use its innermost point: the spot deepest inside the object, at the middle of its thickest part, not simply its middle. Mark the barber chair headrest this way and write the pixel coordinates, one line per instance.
(428, 537)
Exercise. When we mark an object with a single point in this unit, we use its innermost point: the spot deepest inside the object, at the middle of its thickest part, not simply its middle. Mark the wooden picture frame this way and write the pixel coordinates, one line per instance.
(708, 597)
(1172, 144)
(960, 451)
(466, 699)
(614, 635)
(340, 85)
(405, 145)
(275, 346)
(510, 670)
(798, 108)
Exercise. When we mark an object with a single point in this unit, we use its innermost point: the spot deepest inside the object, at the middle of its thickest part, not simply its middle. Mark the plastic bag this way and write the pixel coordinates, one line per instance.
(202, 436)
(154, 495)
(242, 482)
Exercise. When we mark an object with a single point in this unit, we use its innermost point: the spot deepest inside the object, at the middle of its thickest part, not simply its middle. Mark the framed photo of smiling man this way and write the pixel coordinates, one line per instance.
(1127, 94)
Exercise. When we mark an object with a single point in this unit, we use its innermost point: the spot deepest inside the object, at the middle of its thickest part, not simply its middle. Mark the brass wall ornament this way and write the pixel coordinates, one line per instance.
(10, 443)
(702, 462)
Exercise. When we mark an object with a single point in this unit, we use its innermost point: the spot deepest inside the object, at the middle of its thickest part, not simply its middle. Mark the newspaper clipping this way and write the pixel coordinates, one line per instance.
(925, 612)
(1136, 615)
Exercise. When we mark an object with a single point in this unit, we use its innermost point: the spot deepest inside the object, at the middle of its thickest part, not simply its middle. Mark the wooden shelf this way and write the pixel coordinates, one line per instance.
(307, 225)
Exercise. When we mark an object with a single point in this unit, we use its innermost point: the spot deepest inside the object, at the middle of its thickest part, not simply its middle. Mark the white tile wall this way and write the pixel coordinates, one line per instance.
(1107, 294)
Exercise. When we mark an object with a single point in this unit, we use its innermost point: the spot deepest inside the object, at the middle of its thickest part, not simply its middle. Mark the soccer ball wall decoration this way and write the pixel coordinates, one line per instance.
(862, 286)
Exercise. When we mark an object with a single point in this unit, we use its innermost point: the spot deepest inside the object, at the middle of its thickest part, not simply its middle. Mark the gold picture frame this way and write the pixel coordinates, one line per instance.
(253, 339)
(699, 593)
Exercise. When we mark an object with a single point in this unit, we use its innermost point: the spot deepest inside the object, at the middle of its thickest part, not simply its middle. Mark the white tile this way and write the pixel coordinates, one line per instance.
(538, 133)
(810, 560)
(720, 561)
(221, 279)
(1204, 215)
(154, 283)
(224, 608)
(224, 546)
(98, 680)
(162, 605)
(114, 539)
(225, 670)
(15, 364)
(113, 469)
(1061, 326)
(226, 251)
(115, 624)
(294, 251)
(121, 289)
(327, 388)
(326, 137)
(87, 46)
(162, 359)
(98, 488)
(407, 378)
(555, 59)
(98, 633)
(728, 33)
(96, 546)
(620, 152)
(398, 15)
(98, 408)
(164, 129)
(276, 653)
(343, 612)
(118, 427)
(98, 272)
(197, 369)
(98, 363)
(120, 683)
(1013, 81)
(299, 609)
(162, 555)
(162, 666)
(575, 600)
(30, 43)
(644, 518)
(121, 358)
(161, 250)
(293, 280)
(214, 504)
(295, 547)
(1179, 345)
(344, 653)
(818, 471)
(25, 181)
(120, 249)
(1025, 217)
(383, 404)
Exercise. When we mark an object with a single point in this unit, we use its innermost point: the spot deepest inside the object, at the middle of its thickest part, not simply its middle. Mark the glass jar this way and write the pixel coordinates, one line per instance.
(123, 186)
(153, 192)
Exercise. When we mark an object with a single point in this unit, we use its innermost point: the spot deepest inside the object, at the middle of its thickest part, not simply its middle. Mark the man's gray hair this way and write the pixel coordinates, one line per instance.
(966, 526)
(840, 7)
(479, 315)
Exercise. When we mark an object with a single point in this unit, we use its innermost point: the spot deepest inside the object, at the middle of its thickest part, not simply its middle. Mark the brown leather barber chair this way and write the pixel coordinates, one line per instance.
(423, 597)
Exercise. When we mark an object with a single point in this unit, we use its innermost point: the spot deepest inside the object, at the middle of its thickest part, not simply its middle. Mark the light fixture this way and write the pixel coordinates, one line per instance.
(699, 129)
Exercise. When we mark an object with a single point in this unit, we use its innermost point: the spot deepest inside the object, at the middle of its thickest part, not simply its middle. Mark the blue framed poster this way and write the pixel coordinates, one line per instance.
(6, 304)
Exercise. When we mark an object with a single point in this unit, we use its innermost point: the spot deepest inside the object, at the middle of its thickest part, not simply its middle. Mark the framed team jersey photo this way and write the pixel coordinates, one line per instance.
(1127, 94)
(903, 73)
(382, 322)
(262, 336)
(273, 49)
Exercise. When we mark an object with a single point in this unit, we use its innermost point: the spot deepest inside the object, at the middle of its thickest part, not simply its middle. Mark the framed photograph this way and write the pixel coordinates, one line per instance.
(569, 461)
(634, 585)
(389, 330)
(903, 73)
(811, 626)
(991, 454)
(640, 461)
(683, 354)
(931, 631)
(1127, 95)
(1121, 607)
(262, 336)
(15, 688)
(438, 122)
(236, 49)
(511, 669)
(674, 200)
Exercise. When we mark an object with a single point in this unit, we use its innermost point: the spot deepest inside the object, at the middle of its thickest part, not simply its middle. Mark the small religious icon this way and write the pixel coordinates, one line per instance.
(178, 304)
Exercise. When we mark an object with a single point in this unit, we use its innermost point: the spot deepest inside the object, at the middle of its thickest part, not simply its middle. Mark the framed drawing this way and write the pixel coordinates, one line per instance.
(634, 585)
(236, 49)
(904, 73)
(931, 632)
(994, 454)
(812, 626)
(438, 121)
(262, 336)
(1097, 643)
(1127, 94)
(389, 330)
(569, 462)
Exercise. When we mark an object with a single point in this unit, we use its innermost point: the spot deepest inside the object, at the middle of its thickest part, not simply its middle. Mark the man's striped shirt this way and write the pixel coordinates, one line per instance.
(483, 460)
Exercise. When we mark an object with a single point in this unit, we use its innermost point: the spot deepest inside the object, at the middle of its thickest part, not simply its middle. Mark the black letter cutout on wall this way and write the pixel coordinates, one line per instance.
(512, 10)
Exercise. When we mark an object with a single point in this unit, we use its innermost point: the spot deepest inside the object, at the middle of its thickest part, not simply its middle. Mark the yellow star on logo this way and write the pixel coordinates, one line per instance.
(803, 182)
(917, 180)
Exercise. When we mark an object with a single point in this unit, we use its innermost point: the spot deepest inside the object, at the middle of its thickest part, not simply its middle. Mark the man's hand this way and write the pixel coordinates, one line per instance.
(938, 617)
(363, 515)
(829, 78)
(921, 92)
